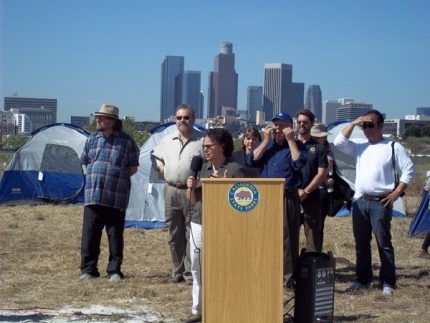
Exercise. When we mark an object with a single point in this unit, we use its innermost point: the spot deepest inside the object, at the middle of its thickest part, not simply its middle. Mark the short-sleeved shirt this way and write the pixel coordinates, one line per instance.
(108, 160)
(276, 162)
(317, 158)
(176, 156)
(234, 170)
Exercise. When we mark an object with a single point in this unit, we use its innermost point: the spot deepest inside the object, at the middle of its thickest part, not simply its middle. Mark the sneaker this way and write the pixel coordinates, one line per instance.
(193, 318)
(86, 276)
(115, 278)
(356, 287)
(423, 254)
(387, 290)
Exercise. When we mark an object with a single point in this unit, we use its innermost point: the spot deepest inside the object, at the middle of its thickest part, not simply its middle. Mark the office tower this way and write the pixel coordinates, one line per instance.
(172, 69)
(40, 111)
(223, 82)
(254, 102)
(25, 125)
(352, 110)
(423, 111)
(191, 91)
(298, 94)
(277, 91)
(314, 101)
(79, 121)
(329, 110)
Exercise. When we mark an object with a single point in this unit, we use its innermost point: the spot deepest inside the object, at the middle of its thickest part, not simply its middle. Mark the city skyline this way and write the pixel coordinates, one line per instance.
(87, 53)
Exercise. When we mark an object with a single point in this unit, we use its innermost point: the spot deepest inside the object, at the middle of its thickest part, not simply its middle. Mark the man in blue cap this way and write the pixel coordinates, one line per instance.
(283, 157)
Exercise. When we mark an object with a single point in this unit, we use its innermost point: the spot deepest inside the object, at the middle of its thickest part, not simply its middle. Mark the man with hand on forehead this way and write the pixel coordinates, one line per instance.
(283, 157)
(172, 158)
(376, 162)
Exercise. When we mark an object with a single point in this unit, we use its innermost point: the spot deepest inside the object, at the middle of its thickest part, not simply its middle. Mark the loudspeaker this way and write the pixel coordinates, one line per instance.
(314, 292)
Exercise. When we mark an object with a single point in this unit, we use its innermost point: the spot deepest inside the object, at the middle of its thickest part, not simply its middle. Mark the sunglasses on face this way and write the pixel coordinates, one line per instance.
(208, 146)
(182, 117)
(368, 125)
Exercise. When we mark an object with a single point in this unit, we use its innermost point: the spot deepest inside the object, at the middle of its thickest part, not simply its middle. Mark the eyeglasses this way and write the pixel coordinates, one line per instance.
(179, 118)
(367, 125)
(208, 146)
(304, 122)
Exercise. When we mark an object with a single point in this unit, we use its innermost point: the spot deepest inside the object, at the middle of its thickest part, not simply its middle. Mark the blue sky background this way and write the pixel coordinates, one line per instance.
(85, 53)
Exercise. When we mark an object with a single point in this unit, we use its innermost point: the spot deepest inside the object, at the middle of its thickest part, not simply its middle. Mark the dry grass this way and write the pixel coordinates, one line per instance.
(40, 255)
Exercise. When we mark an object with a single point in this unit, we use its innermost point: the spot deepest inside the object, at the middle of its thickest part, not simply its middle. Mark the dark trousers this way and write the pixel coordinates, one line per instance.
(426, 242)
(368, 216)
(97, 217)
(291, 233)
(311, 220)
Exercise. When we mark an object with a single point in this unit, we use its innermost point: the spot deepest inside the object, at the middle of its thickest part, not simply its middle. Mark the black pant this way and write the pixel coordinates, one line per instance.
(97, 217)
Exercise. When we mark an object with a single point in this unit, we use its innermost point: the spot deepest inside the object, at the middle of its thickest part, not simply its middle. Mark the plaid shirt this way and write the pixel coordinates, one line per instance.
(108, 161)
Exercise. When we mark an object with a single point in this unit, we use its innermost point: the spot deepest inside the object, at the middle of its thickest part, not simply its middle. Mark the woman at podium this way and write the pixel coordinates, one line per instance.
(218, 148)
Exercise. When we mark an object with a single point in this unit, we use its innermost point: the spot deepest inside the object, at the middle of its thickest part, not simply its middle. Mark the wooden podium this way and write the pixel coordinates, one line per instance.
(242, 247)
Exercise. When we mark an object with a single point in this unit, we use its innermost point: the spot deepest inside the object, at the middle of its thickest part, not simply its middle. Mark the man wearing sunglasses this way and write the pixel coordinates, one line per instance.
(172, 158)
(375, 193)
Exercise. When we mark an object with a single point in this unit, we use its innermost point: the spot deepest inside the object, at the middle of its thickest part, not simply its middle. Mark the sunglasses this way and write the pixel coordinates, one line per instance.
(182, 117)
(367, 125)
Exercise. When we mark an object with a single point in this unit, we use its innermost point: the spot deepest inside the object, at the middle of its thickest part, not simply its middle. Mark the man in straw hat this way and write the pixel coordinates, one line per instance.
(111, 157)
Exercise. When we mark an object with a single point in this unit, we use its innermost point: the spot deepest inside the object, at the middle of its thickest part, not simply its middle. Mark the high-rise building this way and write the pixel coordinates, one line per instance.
(314, 101)
(352, 110)
(277, 92)
(254, 102)
(329, 110)
(191, 91)
(298, 94)
(79, 121)
(423, 111)
(223, 82)
(40, 111)
(172, 69)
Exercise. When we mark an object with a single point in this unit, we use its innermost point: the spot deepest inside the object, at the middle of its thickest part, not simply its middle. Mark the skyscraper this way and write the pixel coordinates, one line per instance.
(329, 111)
(314, 101)
(191, 91)
(172, 69)
(223, 82)
(352, 110)
(277, 92)
(254, 102)
(298, 94)
(40, 111)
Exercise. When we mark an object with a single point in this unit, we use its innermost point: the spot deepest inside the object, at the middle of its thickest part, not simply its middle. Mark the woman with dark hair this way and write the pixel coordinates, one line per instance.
(218, 147)
(251, 138)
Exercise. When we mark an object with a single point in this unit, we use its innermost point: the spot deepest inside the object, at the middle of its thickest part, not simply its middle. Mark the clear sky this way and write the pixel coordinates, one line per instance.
(85, 53)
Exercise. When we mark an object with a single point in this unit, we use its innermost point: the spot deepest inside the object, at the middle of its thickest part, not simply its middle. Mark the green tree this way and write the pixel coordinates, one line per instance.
(413, 130)
(14, 141)
(425, 131)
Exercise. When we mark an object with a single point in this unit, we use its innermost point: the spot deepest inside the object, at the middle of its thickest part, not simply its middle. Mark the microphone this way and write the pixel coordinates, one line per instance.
(196, 165)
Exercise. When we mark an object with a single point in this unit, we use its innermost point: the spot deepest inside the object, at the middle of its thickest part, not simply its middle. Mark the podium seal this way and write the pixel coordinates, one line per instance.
(243, 196)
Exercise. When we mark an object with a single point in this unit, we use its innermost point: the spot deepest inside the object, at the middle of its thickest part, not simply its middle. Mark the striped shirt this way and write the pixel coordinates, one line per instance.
(108, 160)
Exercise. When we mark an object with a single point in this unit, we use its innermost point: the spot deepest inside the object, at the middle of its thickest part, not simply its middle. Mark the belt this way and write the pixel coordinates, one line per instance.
(178, 186)
(289, 191)
(373, 197)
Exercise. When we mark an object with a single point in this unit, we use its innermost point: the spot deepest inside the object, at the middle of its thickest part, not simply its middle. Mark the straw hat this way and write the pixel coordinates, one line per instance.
(108, 110)
(318, 130)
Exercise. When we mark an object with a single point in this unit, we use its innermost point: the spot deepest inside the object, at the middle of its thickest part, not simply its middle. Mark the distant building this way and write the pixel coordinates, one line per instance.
(423, 111)
(8, 125)
(314, 101)
(191, 91)
(254, 102)
(329, 111)
(223, 82)
(80, 122)
(24, 124)
(172, 69)
(352, 110)
(40, 111)
(261, 118)
(298, 94)
(277, 91)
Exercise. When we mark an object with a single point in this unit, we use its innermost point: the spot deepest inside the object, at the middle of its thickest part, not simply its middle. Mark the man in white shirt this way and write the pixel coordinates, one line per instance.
(172, 158)
(375, 193)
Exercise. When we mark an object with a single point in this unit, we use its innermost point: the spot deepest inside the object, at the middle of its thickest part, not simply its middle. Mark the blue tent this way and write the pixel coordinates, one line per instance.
(46, 169)
(420, 224)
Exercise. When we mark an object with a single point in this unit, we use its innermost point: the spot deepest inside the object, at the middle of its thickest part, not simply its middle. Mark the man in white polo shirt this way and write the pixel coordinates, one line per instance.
(375, 192)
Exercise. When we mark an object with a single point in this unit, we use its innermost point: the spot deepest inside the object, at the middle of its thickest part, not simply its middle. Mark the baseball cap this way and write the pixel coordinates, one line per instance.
(282, 116)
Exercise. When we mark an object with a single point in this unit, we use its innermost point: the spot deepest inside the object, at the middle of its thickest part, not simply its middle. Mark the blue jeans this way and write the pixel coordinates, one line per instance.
(368, 216)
